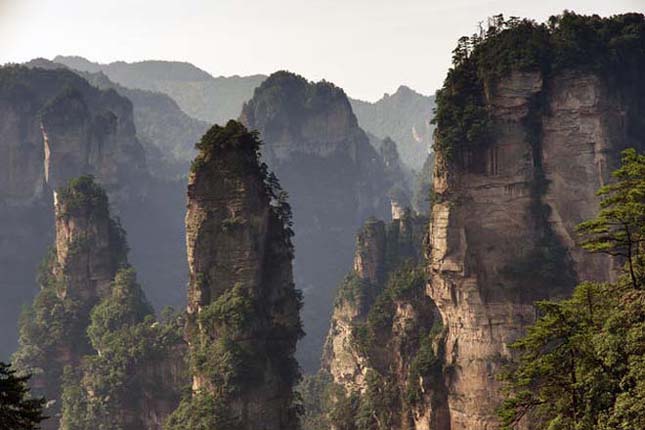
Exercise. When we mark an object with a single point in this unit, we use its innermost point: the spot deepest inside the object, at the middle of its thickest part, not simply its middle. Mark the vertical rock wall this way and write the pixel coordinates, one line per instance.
(335, 180)
(54, 127)
(503, 229)
(241, 297)
(384, 342)
(89, 249)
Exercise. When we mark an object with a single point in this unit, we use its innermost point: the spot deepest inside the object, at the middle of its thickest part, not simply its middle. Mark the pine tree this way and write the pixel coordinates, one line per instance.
(581, 366)
(619, 228)
(17, 410)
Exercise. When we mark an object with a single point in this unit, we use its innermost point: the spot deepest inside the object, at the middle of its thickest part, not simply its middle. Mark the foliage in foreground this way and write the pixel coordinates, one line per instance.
(128, 345)
(17, 410)
(581, 366)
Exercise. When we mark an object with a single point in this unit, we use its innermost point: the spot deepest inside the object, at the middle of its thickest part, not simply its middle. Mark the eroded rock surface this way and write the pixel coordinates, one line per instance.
(243, 309)
(54, 127)
(503, 228)
(384, 345)
(335, 180)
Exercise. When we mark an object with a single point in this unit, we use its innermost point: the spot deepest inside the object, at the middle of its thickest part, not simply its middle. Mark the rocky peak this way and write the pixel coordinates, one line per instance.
(369, 257)
(90, 337)
(384, 343)
(405, 117)
(297, 116)
(241, 298)
(89, 249)
(335, 180)
(59, 127)
(90, 245)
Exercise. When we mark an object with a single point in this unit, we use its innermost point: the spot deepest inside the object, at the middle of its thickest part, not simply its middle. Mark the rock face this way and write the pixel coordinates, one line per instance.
(90, 337)
(398, 175)
(384, 345)
(90, 248)
(54, 126)
(423, 186)
(60, 127)
(242, 302)
(335, 180)
(502, 231)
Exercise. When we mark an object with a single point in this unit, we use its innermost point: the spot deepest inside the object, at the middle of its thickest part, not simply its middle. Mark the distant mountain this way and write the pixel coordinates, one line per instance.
(200, 95)
(405, 117)
(167, 133)
(335, 179)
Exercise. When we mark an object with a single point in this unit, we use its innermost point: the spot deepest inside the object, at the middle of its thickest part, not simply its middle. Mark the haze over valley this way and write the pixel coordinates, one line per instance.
(284, 245)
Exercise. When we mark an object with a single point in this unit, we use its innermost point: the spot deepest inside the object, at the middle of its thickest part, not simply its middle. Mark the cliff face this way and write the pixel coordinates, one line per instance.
(384, 343)
(167, 134)
(90, 337)
(503, 224)
(54, 126)
(89, 249)
(60, 127)
(89, 245)
(243, 320)
(335, 180)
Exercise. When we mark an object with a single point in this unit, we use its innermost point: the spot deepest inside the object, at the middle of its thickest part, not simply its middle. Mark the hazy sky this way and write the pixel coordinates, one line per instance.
(367, 47)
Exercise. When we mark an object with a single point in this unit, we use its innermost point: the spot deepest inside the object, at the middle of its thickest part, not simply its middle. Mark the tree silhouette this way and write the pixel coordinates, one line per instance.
(17, 410)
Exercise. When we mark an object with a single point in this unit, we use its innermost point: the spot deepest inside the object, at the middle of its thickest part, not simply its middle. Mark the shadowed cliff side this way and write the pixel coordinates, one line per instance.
(72, 337)
(335, 180)
(243, 308)
(167, 134)
(56, 126)
(383, 356)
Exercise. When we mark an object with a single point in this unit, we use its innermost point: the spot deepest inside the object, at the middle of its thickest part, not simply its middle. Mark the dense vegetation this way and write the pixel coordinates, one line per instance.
(86, 347)
(388, 402)
(108, 389)
(18, 411)
(581, 366)
(400, 352)
(54, 326)
(608, 47)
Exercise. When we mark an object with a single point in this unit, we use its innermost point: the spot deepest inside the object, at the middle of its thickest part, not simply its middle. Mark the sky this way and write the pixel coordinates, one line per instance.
(367, 47)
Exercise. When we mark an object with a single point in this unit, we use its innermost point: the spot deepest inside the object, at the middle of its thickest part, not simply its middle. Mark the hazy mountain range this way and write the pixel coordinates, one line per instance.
(403, 116)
